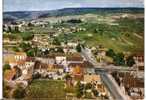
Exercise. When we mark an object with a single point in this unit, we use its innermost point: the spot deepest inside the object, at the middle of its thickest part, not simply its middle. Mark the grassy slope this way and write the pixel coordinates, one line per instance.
(120, 38)
(46, 89)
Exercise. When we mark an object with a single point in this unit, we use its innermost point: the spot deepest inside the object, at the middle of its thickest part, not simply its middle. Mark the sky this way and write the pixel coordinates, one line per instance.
(37, 5)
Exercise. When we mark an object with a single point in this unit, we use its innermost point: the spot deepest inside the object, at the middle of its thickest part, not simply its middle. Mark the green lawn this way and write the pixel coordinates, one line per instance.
(44, 89)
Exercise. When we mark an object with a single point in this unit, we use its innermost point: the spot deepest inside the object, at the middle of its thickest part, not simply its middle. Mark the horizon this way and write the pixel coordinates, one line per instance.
(42, 5)
(78, 8)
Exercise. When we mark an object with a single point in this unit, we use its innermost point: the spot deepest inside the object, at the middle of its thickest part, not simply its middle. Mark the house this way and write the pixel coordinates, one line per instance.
(96, 81)
(75, 58)
(49, 60)
(19, 56)
(6, 40)
(61, 60)
(71, 44)
(26, 65)
(76, 70)
(40, 40)
(102, 52)
(139, 59)
(92, 78)
(55, 68)
(131, 84)
(47, 69)
(40, 67)
(89, 68)
(9, 59)
(51, 34)
(14, 59)
(134, 87)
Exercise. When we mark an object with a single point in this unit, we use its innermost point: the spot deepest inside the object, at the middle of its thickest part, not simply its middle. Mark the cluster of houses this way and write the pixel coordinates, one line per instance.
(58, 66)
(53, 67)
(21, 67)
(130, 84)
(60, 63)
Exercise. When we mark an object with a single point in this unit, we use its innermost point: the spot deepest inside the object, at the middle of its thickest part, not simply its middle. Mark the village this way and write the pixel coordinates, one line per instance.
(86, 71)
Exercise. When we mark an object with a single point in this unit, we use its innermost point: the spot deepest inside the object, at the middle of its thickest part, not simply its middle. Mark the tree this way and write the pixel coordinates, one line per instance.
(35, 49)
(56, 41)
(46, 52)
(31, 53)
(95, 92)
(30, 24)
(25, 46)
(17, 29)
(110, 53)
(101, 29)
(36, 76)
(27, 36)
(78, 48)
(6, 67)
(130, 61)
(119, 59)
(16, 49)
(19, 92)
(74, 21)
(88, 86)
(67, 76)
(59, 49)
(9, 29)
(79, 89)
(6, 90)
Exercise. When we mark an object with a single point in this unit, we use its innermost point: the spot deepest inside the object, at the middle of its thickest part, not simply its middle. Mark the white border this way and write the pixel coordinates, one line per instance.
(144, 51)
(1, 74)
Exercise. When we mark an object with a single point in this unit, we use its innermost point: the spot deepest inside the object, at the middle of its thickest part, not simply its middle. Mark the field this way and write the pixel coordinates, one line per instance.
(122, 35)
(46, 89)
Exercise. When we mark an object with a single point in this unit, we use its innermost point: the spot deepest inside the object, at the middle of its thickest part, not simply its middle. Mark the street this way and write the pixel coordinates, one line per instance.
(111, 84)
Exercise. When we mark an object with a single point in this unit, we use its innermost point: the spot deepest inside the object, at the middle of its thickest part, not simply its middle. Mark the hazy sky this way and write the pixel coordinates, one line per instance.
(27, 5)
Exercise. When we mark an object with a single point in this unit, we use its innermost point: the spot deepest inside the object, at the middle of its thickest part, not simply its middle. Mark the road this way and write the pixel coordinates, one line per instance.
(90, 57)
(111, 84)
(113, 87)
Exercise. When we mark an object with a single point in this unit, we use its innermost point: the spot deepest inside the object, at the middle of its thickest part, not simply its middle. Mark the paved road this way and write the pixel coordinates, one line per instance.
(113, 87)
(90, 57)
(107, 79)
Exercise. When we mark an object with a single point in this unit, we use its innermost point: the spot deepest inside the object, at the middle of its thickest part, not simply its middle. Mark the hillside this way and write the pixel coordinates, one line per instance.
(28, 15)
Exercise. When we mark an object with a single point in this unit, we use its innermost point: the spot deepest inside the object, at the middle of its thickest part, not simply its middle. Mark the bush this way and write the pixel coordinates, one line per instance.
(60, 50)
(79, 90)
(88, 86)
(130, 61)
(36, 76)
(78, 48)
(30, 53)
(25, 46)
(19, 92)
(95, 92)
(6, 90)
(16, 49)
(6, 67)
(74, 21)
(56, 41)
(110, 53)
(67, 76)
(119, 59)
(27, 36)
